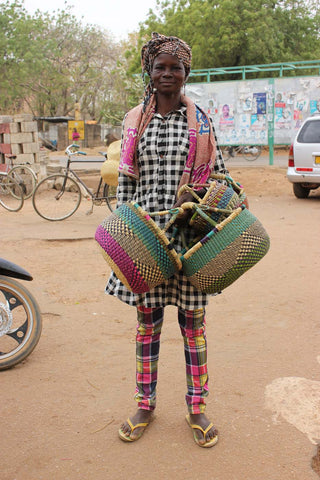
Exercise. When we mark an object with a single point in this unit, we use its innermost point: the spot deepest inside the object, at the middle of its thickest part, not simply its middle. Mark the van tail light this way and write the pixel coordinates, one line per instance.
(291, 157)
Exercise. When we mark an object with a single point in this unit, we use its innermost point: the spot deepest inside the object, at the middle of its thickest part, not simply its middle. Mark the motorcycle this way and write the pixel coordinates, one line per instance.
(20, 317)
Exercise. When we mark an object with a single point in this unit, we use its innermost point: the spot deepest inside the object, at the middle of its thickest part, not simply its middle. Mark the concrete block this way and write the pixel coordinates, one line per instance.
(6, 138)
(25, 117)
(30, 147)
(21, 138)
(27, 127)
(6, 119)
(54, 168)
(24, 158)
(44, 156)
(16, 148)
(36, 168)
(15, 127)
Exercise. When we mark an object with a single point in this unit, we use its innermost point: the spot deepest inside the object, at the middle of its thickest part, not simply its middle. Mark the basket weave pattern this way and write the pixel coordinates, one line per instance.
(218, 196)
(226, 252)
(136, 249)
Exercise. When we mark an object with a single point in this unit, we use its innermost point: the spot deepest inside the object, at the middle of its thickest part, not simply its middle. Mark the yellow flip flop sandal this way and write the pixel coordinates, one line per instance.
(126, 438)
(194, 426)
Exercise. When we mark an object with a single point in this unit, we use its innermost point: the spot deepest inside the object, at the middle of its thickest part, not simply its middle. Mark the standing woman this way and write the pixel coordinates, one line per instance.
(167, 142)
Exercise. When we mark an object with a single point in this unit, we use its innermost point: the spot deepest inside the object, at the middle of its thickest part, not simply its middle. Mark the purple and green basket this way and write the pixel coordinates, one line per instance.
(136, 249)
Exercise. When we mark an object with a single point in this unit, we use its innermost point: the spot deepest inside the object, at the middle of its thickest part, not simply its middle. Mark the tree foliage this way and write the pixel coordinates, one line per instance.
(48, 62)
(239, 32)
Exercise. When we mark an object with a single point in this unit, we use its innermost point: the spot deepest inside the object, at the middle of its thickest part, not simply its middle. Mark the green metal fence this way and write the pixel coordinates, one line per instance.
(309, 67)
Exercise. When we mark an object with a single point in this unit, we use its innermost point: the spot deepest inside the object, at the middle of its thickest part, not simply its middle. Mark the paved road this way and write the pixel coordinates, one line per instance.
(280, 159)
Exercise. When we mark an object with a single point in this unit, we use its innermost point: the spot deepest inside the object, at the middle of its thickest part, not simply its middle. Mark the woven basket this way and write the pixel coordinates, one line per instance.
(109, 172)
(136, 249)
(218, 202)
(114, 151)
(226, 252)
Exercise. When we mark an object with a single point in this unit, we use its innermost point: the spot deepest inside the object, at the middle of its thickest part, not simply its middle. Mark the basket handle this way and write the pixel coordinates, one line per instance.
(231, 217)
(190, 189)
(215, 176)
(200, 209)
(174, 212)
(235, 185)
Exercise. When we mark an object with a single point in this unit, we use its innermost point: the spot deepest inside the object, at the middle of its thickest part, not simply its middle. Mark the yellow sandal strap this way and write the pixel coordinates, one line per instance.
(204, 432)
(133, 427)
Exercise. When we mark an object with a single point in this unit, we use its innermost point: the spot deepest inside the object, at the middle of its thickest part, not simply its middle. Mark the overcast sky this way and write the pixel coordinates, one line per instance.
(119, 17)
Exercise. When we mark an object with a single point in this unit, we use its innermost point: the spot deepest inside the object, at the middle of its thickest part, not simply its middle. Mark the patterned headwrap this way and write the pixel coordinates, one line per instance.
(202, 146)
(162, 44)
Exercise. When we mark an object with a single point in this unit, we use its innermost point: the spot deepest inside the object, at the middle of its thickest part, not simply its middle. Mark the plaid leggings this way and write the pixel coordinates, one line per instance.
(192, 326)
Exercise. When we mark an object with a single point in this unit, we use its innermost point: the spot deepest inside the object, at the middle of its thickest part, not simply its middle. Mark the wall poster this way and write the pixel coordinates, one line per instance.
(244, 111)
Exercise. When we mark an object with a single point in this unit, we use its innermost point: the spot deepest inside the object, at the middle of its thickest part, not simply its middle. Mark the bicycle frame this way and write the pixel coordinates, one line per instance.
(69, 170)
(70, 187)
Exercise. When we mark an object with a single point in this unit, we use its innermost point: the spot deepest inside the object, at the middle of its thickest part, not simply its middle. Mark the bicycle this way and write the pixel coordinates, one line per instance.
(11, 193)
(249, 152)
(58, 196)
(23, 174)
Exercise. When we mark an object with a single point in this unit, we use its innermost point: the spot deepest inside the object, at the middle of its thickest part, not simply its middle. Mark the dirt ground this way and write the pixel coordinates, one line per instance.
(61, 408)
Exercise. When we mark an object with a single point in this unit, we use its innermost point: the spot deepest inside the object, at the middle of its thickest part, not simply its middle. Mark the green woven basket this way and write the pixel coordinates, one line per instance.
(230, 249)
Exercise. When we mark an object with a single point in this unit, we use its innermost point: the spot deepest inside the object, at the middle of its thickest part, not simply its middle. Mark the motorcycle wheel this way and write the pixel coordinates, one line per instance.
(20, 322)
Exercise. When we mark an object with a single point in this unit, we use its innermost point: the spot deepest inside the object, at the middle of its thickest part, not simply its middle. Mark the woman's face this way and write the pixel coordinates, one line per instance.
(168, 74)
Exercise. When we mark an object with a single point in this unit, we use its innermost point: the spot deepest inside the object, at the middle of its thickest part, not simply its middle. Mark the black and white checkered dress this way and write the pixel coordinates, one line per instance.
(162, 153)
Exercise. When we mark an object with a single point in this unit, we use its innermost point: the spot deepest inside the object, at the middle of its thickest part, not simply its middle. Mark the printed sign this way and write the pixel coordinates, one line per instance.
(76, 127)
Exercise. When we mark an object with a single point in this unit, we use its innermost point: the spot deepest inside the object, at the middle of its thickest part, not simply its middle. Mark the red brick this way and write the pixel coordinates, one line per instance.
(5, 148)
(4, 127)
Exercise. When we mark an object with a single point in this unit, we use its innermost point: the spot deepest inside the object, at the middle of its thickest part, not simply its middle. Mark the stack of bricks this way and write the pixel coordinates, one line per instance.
(19, 141)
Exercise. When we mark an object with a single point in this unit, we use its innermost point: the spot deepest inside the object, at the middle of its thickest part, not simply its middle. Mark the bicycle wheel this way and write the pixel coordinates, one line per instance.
(251, 152)
(56, 197)
(26, 178)
(110, 194)
(226, 153)
(21, 322)
(11, 194)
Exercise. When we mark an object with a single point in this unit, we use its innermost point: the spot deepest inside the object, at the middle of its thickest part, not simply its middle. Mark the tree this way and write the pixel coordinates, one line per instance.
(21, 53)
(238, 32)
(50, 62)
